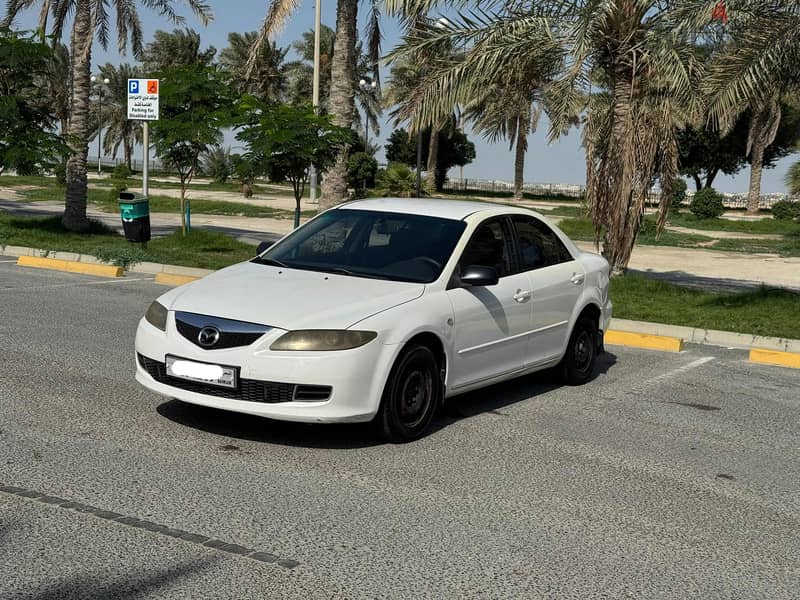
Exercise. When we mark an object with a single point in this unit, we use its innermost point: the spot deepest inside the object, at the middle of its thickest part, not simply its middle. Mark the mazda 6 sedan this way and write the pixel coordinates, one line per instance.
(378, 310)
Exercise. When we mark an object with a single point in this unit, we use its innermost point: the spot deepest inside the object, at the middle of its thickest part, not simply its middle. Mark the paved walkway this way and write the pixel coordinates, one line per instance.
(703, 268)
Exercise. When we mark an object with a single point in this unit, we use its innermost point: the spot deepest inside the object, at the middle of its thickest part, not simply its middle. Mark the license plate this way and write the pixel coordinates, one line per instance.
(211, 374)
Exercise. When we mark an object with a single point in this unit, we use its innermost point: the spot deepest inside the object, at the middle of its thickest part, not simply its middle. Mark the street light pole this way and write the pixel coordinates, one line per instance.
(370, 88)
(100, 84)
(315, 88)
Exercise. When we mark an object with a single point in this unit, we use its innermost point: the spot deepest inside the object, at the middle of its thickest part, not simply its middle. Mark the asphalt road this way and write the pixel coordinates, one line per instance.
(668, 476)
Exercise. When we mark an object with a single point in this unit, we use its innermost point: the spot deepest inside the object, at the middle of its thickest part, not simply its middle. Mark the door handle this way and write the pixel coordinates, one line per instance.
(577, 278)
(522, 295)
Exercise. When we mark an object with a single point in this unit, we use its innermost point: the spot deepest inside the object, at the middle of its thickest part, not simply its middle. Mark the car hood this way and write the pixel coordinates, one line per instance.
(290, 298)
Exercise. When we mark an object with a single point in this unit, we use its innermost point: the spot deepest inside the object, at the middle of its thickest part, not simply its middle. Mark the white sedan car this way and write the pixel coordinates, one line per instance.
(378, 310)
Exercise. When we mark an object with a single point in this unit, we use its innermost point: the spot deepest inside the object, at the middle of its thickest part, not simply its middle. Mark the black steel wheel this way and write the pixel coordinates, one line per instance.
(411, 396)
(581, 356)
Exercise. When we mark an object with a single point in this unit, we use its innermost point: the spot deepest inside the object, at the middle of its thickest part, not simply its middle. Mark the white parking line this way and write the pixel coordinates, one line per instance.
(688, 367)
(68, 285)
(8, 261)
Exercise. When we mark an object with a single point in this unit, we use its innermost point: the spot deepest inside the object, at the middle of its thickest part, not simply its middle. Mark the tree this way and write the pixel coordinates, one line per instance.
(180, 47)
(361, 171)
(453, 148)
(793, 179)
(631, 74)
(301, 72)
(756, 69)
(267, 79)
(401, 148)
(343, 75)
(704, 153)
(284, 140)
(27, 141)
(120, 131)
(196, 103)
(217, 163)
(56, 82)
(91, 18)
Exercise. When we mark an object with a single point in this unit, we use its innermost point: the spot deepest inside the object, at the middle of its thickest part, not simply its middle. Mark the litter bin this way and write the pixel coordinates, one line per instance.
(134, 209)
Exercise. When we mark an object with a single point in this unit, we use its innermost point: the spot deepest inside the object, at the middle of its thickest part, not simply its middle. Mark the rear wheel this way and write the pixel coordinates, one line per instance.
(579, 360)
(411, 396)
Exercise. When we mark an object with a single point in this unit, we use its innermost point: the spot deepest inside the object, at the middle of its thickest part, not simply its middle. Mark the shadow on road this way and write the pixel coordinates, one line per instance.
(361, 435)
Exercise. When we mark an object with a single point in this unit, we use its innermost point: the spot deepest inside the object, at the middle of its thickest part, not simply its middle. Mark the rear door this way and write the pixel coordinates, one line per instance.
(556, 280)
(491, 323)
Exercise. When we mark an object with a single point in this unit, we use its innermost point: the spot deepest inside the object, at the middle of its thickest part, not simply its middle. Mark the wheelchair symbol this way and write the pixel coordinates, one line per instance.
(133, 86)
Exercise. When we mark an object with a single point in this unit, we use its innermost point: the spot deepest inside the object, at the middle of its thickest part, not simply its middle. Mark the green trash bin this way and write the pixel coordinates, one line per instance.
(134, 210)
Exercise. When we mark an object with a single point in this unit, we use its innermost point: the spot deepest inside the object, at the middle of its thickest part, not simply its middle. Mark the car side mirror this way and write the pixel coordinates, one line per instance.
(478, 276)
(263, 247)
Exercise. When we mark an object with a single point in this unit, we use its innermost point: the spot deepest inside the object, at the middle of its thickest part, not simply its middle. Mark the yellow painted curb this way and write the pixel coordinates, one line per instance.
(176, 280)
(643, 340)
(773, 357)
(69, 266)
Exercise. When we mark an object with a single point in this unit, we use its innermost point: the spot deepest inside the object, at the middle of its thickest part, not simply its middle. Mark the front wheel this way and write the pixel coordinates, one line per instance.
(579, 360)
(411, 397)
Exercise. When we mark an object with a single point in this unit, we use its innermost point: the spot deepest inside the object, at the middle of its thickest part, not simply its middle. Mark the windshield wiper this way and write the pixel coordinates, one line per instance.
(270, 261)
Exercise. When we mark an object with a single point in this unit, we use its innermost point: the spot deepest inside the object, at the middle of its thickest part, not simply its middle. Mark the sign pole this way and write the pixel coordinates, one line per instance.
(146, 144)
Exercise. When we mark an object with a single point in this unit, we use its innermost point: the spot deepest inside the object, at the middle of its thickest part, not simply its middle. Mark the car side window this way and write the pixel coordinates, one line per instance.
(488, 247)
(539, 246)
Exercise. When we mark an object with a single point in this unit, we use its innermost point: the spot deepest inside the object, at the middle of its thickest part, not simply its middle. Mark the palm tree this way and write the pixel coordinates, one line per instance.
(343, 75)
(629, 50)
(91, 18)
(267, 79)
(793, 179)
(179, 47)
(301, 72)
(755, 71)
(57, 84)
(120, 131)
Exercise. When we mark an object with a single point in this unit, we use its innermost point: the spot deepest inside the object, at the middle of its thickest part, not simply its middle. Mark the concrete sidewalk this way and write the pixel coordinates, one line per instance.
(707, 269)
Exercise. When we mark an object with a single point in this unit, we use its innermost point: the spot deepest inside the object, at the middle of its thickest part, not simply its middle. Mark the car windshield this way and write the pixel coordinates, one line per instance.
(363, 243)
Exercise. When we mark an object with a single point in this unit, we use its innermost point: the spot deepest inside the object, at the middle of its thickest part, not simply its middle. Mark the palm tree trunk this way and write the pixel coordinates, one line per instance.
(342, 96)
(433, 155)
(519, 158)
(756, 165)
(74, 218)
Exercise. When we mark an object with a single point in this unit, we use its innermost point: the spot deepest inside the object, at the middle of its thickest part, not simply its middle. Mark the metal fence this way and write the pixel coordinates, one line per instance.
(577, 192)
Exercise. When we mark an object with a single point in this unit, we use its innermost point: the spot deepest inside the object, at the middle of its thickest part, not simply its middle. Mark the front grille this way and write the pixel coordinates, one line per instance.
(250, 390)
(233, 334)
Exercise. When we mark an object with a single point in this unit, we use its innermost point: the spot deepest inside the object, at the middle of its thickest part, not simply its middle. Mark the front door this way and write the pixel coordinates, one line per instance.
(491, 323)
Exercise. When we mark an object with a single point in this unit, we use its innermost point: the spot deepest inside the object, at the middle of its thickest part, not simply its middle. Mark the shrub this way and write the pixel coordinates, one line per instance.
(361, 170)
(121, 172)
(116, 188)
(60, 171)
(218, 165)
(397, 180)
(786, 210)
(124, 257)
(678, 193)
(707, 204)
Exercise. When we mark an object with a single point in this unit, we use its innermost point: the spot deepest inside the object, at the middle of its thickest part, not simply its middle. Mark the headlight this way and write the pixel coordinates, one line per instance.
(156, 315)
(323, 339)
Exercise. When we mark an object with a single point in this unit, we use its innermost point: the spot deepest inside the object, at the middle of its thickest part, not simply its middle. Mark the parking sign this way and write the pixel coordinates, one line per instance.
(143, 99)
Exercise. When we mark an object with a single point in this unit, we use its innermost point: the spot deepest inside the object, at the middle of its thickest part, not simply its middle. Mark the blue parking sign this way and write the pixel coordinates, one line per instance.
(133, 86)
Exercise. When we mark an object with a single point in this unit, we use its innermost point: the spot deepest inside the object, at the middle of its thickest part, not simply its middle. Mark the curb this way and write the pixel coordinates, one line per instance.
(173, 279)
(69, 266)
(643, 340)
(779, 359)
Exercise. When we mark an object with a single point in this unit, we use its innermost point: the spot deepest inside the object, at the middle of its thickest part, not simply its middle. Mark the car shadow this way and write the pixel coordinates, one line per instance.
(362, 435)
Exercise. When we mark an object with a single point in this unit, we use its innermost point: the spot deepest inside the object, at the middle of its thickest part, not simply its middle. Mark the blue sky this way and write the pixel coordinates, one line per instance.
(562, 162)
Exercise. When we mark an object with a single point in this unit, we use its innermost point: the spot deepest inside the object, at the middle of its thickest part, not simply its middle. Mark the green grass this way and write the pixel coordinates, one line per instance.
(760, 226)
(19, 180)
(764, 311)
(204, 249)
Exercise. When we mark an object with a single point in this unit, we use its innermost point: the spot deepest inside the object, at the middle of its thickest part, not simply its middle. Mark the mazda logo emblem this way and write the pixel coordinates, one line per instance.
(208, 336)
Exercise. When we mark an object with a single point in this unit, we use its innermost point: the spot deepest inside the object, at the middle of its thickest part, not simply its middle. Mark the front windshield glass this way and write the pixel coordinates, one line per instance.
(373, 244)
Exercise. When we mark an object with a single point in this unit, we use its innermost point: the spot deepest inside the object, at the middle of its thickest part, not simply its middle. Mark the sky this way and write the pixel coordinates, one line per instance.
(561, 162)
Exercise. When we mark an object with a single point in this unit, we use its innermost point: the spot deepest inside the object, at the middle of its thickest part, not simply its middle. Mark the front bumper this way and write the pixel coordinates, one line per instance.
(356, 377)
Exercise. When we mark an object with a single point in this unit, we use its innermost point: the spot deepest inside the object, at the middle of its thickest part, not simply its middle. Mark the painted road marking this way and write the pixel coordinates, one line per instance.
(68, 285)
(687, 367)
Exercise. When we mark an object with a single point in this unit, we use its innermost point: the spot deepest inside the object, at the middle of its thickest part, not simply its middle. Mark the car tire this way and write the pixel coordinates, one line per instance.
(411, 397)
(578, 364)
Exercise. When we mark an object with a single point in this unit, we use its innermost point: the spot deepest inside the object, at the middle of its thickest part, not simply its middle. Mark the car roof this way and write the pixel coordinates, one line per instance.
(430, 207)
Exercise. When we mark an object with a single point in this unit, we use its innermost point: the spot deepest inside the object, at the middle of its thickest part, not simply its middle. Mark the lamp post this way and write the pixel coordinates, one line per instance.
(369, 87)
(99, 83)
